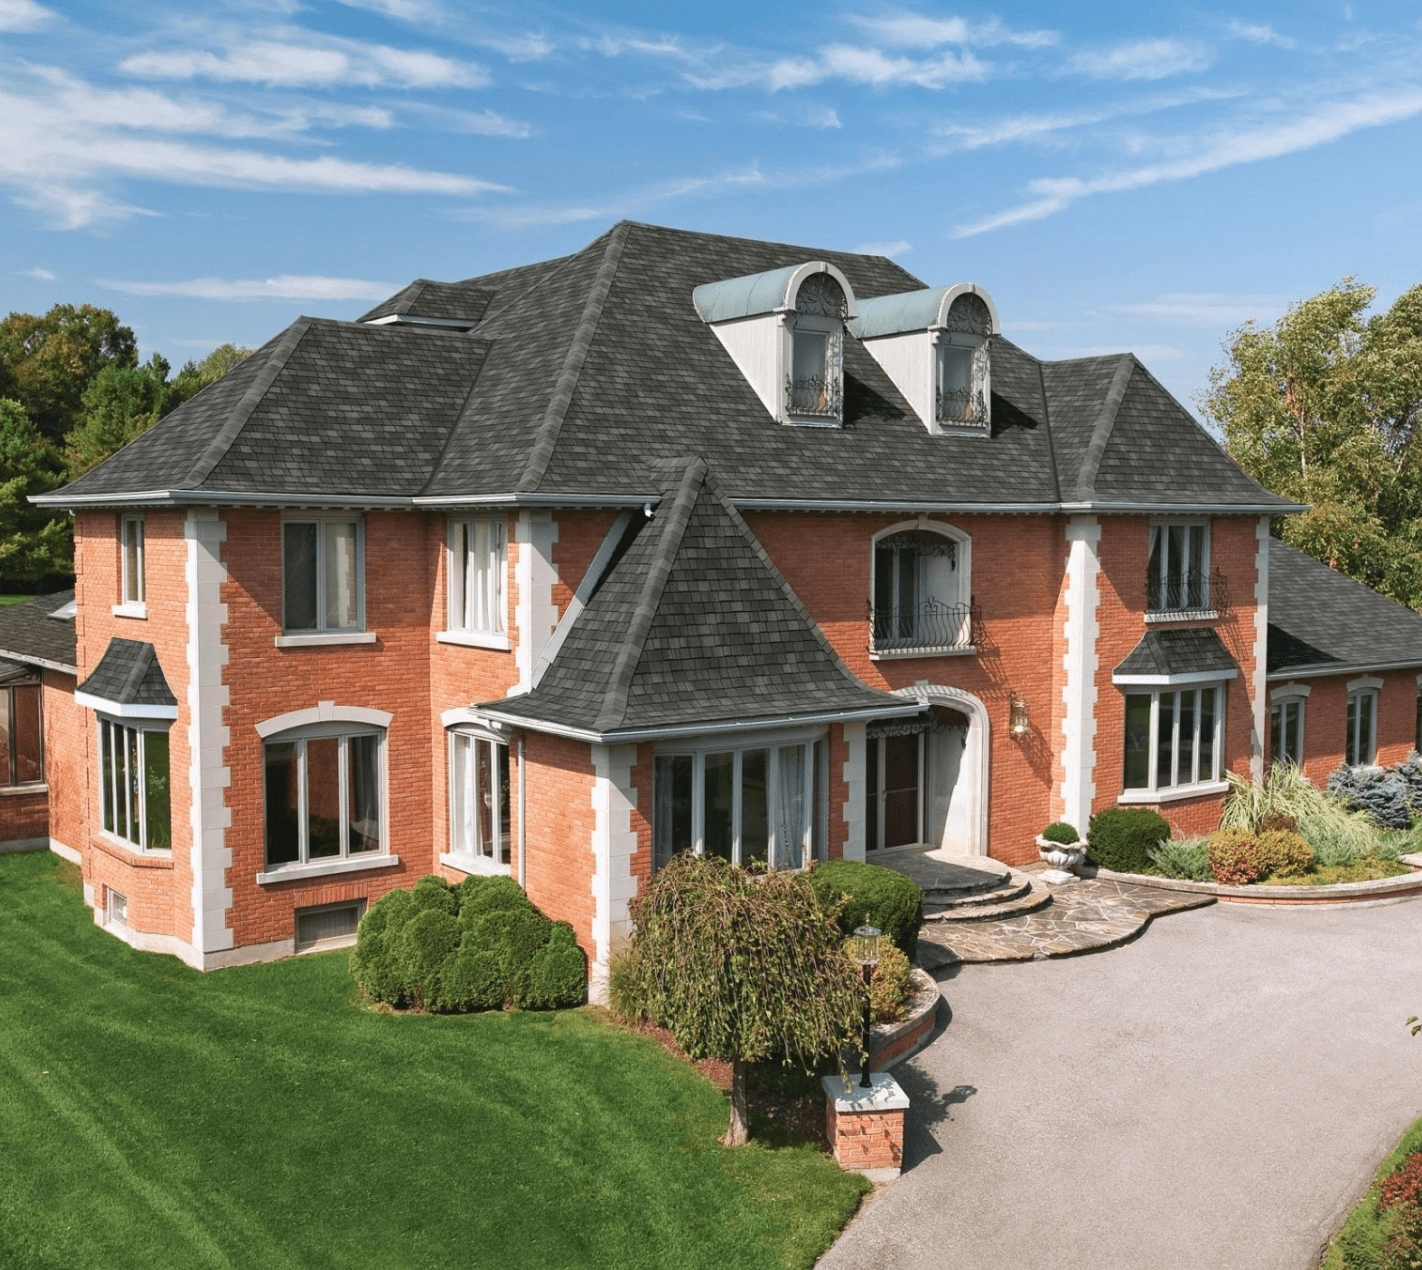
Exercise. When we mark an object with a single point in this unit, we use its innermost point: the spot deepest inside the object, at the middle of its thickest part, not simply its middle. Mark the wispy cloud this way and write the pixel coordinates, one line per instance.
(43, 275)
(414, 11)
(1258, 33)
(23, 15)
(914, 30)
(482, 123)
(1329, 123)
(286, 286)
(854, 64)
(898, 247)
(1142, 59)
(1205, 308)
(304, 60)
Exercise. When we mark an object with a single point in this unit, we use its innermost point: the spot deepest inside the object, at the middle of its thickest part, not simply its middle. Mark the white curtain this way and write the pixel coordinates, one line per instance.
(790, 808)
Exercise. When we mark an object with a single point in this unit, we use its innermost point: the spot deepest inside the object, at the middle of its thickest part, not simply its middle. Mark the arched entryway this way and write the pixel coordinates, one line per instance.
(927, 779)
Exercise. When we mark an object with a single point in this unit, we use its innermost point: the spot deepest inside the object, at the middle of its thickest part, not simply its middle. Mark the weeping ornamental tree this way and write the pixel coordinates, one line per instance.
(1324, 408)
(741, 967)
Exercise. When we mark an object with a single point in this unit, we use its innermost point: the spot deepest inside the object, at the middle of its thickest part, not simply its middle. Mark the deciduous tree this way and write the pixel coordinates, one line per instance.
(34, 543)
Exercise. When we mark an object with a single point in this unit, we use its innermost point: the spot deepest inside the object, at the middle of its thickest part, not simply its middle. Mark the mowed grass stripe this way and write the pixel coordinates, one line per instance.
(261, 1116)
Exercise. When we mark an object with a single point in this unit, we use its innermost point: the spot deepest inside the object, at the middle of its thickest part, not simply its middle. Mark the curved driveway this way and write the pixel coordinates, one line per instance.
(1214, 1095)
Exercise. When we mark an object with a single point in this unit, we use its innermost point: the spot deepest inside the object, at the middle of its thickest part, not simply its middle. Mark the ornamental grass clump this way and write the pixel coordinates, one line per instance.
(482, 945)
(741, 967)
(1336, 835)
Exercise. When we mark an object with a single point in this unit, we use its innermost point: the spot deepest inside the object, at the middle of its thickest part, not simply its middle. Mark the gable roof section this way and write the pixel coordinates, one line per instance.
(129, 682)
(29, 634)
(692, 629)
(1322, 622)
(585, 372)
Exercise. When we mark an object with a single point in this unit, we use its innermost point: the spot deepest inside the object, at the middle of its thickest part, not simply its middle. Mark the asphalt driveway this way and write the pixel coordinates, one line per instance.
(1214, 1095)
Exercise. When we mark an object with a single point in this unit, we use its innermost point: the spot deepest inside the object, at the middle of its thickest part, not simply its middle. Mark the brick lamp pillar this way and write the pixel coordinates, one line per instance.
(865, 1127)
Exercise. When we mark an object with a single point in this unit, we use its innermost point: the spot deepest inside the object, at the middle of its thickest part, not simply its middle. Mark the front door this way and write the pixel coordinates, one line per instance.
(900, 796)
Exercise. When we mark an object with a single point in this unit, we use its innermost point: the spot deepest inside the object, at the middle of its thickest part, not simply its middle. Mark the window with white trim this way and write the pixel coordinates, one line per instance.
(477, 560)
(479, 819)
(1174, 737)
(1362, 739)
(1286, 723)
(1178, 575)
(323, 574)
(133, 784)
(324, 795)
(21, 732)
(754, 803)
(814, 386)
(132, 589)
(962, 390)
(920, 592)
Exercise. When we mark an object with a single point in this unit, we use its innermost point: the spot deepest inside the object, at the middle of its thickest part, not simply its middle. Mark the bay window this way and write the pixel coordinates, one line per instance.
(1174, 738)
(477, 559)
(1362, 738)
(1286, 720)
(479, 818)
(761, 803)
(324, 795)
(133, 783)
(323, 570)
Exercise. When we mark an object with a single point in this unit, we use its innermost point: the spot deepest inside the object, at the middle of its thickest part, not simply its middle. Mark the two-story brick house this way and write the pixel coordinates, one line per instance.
(681, 541)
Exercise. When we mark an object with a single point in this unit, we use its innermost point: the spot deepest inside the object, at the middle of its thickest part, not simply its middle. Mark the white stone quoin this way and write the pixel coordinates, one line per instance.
(1083, 596)
(614, 843)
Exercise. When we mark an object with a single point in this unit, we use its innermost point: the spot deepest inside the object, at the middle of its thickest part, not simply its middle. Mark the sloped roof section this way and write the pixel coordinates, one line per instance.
(1322, 622)
(584, 373)
(28, 632)
(1175, 652)
(462, 303)
(128, 674)
(692, 626)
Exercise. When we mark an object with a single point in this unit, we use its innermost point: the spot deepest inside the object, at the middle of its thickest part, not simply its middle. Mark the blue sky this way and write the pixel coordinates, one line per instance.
(1119, 176)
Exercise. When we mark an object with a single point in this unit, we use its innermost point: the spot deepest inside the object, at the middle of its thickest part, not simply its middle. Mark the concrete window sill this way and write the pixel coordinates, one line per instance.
(321, 639)
(138, 610)
(1152, 796)
(325, 868)
(475, 864)
(475, 639)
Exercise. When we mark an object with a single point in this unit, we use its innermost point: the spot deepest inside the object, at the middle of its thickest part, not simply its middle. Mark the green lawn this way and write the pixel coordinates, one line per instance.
(13, 599)
(151, 1116)
(1358, 1246)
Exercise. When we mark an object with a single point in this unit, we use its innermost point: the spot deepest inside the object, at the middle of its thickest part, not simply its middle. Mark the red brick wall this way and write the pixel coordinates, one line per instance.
(24, 813)
(1326, 721)
(560, 832)
(66, 765)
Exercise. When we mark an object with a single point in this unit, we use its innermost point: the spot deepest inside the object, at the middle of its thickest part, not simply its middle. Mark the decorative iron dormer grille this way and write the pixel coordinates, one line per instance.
(961, 396)
(814, 386)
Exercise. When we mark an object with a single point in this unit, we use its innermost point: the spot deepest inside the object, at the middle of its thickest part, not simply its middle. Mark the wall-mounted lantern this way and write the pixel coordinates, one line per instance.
(1017, 722)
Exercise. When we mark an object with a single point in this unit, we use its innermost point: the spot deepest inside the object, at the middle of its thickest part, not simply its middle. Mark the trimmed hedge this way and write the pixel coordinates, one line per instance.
(1123, 838)
(482, 945)
(872, 896)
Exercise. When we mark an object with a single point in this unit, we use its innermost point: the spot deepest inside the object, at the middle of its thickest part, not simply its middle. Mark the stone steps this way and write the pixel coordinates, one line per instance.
(1030, 897)
(943, 900)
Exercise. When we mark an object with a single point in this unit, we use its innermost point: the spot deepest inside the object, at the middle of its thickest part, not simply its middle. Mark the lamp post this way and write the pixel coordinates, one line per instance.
(864, 948)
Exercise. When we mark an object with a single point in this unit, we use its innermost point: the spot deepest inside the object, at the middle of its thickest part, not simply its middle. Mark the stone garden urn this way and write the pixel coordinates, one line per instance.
(1064, 857)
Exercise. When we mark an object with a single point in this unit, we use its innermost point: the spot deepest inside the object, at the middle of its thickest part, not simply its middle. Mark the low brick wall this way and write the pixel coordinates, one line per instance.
(865, 1127)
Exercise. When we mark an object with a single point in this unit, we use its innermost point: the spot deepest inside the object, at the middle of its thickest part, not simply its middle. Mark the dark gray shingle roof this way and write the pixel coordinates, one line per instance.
(29, 634)
(586, 371)
(692, 625)
(1322, 621)
(129, 674)
(1185, 650)
(440, 301)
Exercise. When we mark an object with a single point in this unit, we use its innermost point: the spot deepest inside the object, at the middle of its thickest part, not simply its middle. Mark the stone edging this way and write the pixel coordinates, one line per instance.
(1338, 893)
(891, 1043)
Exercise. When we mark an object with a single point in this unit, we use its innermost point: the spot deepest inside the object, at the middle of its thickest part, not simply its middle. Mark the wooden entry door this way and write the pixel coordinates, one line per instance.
(900, 796)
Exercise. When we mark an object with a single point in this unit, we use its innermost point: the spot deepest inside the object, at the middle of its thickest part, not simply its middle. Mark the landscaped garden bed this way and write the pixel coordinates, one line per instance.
(266, 1116)
(1384, 1231)
(1280, 842)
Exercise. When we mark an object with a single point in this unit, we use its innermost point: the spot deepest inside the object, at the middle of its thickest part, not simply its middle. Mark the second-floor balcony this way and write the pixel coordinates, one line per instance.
(1188, 593)
(923, 629)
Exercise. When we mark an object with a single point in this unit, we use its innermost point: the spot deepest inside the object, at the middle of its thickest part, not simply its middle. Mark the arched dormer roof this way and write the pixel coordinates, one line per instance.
(926, 310)
(775, 291)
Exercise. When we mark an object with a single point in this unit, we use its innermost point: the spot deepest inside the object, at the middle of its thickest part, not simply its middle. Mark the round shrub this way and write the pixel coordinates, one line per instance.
(1235, 859)
(889, 986)
(432, 892)
(872, 896)
(1285, 852)
(1379, 792)
(1060, 831)
(377, 971)
(473, 979)
(422, 946)
(1184, 858)
(558, 975)
(1274, 821)
(479, 895)
(1123, 838)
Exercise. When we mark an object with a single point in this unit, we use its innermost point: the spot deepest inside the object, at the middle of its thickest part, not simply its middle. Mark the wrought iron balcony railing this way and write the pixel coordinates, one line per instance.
(815, 397)
(1191, 592)
(926, 627)
(962, 406)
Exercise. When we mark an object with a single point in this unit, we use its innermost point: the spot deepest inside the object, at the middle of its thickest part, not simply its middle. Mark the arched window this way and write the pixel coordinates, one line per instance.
(324, 792)
(922, 600)
(814, 388)
(962, 396)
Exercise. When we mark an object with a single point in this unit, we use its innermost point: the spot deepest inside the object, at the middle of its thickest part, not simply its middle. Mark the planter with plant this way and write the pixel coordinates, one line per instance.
(1061, 846)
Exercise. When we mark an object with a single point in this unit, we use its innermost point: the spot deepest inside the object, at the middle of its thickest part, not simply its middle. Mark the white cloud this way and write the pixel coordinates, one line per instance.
(1225, 150)
(1142, 59)
(853, 63)
(43, 275)
(531, 47)
(913, 30)
(286, 286)
(898, 247)
(482, 123)
(1258, 33)
(1205, 308)
(426, 11)
(304, 60)
(22, 15)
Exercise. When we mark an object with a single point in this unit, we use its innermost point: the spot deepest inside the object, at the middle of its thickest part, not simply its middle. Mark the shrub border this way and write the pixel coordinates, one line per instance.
(1379, 889)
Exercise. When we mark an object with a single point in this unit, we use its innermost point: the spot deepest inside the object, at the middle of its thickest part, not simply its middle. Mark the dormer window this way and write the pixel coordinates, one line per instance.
(815, 386)
(961, 398)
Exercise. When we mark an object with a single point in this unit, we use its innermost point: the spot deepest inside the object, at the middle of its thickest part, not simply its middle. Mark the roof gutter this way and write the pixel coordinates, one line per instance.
(1052, 508)
(890, 710)
(232, 498)
(30, 660)
(1317, 671)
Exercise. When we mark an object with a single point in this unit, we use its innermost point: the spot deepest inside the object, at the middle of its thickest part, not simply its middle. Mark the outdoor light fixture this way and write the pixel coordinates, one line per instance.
(864, 948)
(1017, 716)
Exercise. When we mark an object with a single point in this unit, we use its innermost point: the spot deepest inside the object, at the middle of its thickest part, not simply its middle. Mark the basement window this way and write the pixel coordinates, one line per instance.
(328, 926)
